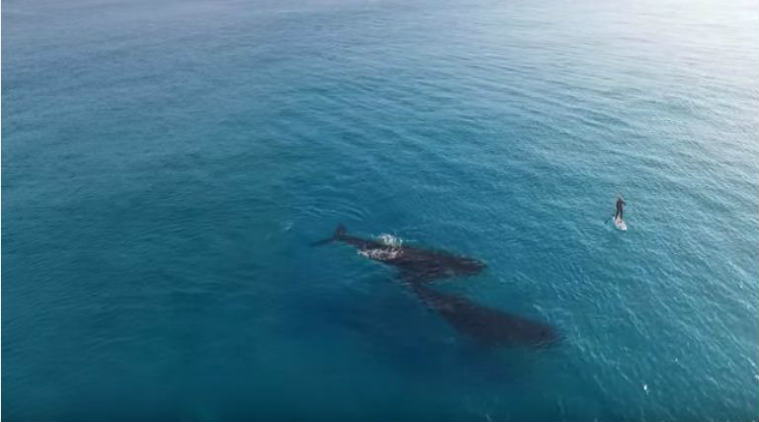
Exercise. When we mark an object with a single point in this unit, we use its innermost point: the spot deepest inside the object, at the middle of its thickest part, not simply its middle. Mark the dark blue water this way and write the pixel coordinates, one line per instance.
(165, 165)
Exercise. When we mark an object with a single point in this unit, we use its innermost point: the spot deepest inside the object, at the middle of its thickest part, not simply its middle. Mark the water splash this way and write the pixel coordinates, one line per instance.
(390, 240)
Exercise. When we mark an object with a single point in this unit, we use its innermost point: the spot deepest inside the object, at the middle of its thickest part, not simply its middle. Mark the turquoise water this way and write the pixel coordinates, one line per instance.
(166, 164)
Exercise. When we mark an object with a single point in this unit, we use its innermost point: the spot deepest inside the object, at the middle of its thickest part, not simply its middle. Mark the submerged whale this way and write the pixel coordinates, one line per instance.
(419, 266)
(415, 264)
(486, 325)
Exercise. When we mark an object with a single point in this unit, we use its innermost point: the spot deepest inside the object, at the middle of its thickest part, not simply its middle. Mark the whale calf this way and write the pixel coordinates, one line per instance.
(415, 264)
(418, 266)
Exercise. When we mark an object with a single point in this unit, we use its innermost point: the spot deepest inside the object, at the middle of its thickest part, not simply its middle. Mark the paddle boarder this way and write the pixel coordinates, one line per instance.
(620, 208)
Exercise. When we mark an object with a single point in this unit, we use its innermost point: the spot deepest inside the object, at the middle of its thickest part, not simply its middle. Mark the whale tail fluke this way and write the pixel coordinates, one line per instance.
(339, 232)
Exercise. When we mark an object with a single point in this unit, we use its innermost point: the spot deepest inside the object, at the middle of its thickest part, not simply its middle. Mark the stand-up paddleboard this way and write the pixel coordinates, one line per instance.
(620, 223)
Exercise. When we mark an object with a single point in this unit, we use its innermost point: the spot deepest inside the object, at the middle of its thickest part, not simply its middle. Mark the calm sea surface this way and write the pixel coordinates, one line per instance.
(166, 164)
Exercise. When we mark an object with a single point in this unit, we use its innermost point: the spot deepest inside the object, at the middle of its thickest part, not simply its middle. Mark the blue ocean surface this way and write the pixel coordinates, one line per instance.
(165, 166)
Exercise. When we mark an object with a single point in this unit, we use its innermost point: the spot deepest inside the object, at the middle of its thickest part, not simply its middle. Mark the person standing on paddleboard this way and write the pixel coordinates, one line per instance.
(620, 208)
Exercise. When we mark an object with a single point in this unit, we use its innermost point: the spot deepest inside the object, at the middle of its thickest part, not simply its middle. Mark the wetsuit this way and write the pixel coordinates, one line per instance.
(620, 208)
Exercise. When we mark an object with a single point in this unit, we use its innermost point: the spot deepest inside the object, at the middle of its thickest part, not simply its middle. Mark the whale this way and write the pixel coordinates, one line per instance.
(415, 264)
(418, 266)
(487, 326)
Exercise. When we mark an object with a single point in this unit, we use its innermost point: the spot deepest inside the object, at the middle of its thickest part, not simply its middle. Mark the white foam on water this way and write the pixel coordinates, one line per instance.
(390, 240)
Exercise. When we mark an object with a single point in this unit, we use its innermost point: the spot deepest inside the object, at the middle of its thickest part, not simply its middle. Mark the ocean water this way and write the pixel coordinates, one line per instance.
(165, 166)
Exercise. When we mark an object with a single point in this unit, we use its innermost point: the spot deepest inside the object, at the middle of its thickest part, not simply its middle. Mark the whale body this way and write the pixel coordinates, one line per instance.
(416, 264)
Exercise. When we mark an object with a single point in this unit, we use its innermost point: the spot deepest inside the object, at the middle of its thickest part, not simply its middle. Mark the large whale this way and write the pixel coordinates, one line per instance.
(415, 264)
(486, 325)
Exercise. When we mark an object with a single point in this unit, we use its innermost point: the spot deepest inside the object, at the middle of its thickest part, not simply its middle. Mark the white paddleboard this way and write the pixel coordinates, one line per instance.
(620, 223)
